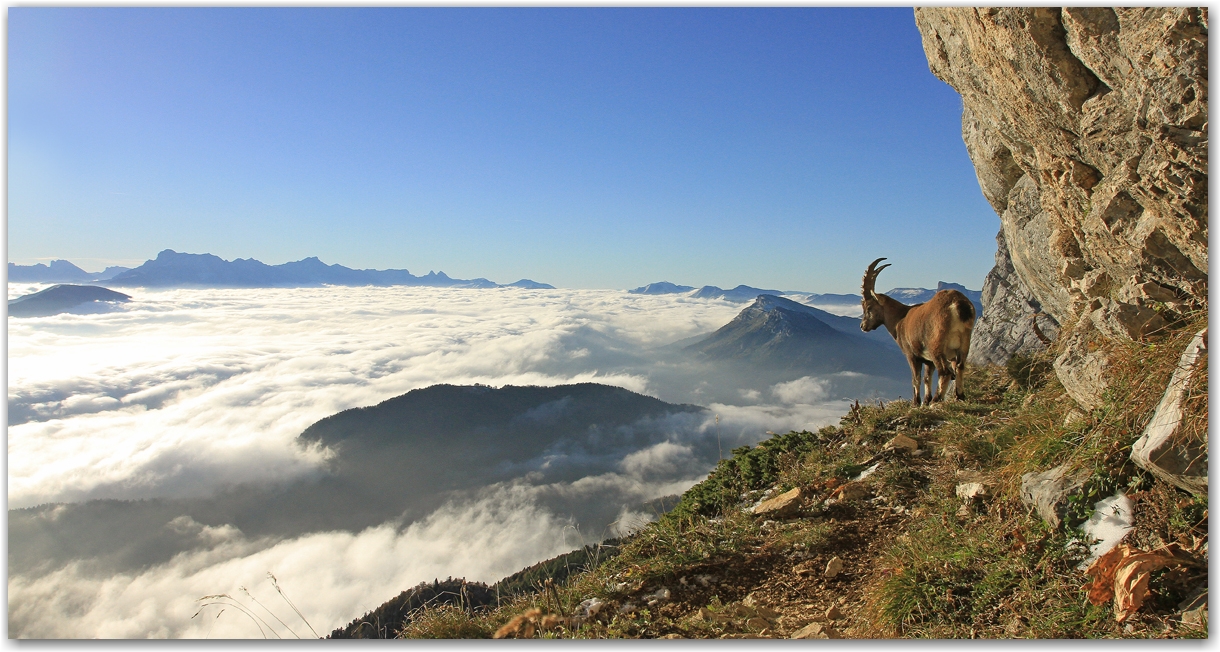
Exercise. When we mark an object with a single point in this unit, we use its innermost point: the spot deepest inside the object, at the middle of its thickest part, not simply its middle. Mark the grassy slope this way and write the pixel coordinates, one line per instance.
(916, 562)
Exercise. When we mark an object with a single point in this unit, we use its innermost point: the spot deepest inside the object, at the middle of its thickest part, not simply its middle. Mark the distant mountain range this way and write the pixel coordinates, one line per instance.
(741, 293)
(59, 271)
(173, 269)
(911, 296)
(663, 287)
(779, 333)
(64, 298)
(745, 293)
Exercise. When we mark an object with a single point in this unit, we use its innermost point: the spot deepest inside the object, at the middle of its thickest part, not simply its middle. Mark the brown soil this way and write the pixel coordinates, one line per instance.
(787, 587)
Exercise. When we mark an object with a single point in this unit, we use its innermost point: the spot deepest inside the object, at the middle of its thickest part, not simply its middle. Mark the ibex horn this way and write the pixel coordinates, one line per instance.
(870, 277)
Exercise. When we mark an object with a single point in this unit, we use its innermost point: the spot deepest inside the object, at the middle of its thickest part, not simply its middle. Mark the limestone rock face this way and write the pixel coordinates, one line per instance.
(1088, 131)
(1007, 326)
(1081, 366)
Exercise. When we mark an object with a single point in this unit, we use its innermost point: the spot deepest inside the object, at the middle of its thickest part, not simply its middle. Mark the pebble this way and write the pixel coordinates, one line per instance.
(833, 567)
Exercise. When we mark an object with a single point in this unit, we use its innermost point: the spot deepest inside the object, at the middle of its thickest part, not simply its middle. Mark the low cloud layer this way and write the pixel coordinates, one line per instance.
(181, 394)
(332, 577)
(186, 391)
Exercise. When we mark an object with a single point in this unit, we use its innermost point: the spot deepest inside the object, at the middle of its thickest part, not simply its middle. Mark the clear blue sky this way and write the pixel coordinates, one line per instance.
(781, 148)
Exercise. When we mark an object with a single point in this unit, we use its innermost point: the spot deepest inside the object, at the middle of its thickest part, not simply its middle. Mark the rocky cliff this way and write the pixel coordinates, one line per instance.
(1013, 322)
(1088, 130)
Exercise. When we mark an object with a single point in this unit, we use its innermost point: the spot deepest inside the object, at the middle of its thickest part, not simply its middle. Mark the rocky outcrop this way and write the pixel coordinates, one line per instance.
(1013, 322)
(1088, 131)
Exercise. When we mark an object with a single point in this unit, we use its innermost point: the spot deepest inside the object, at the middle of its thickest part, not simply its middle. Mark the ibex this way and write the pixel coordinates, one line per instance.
(936, 333)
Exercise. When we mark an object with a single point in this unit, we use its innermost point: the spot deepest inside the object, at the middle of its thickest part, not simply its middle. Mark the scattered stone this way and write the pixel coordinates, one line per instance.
(660, 595)
(850, 491)
(743, 611)
(671, 636)
(812, 630)
(833, 613)
(758, 622)
(1047, 492)
(817, 630)
(805, 568)
(1194, 608)
(768, 613)
(709, 616)
(1073, 417)
(1164, 450)
(833, 567)
(902, 442)
(1029, 400)
(970, 490)
(589, 608)
(867, 472)
(963, 511)
(782, 506)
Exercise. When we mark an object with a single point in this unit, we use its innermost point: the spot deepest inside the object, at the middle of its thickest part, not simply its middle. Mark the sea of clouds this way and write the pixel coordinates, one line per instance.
(182, 393)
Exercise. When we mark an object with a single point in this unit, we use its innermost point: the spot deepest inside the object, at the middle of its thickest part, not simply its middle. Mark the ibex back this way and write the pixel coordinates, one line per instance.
(933, 334)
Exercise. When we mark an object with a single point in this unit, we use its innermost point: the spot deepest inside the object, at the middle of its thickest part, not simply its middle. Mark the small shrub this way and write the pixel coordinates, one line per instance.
(444, 621)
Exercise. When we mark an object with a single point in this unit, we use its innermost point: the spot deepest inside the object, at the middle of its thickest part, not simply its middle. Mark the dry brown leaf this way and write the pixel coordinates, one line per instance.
(1102, 570)
(1123, 574)
(1131, 581)
(514, 626)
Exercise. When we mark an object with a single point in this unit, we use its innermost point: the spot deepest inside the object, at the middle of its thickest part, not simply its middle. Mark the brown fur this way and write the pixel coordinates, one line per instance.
(931, 335)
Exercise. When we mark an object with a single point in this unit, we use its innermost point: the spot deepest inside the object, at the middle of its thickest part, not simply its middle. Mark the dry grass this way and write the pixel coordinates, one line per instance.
(991, 571)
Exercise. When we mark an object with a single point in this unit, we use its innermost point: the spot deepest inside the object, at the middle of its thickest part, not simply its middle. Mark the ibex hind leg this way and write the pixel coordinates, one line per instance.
(943, 376)
(916, 378)
(927, 384)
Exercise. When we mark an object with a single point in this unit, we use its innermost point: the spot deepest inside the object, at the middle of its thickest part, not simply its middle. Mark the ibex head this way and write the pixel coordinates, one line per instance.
(873, 315)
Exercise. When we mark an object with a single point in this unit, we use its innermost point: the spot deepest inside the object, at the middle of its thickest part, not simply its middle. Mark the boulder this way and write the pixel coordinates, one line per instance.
(1047, 492)
(1164, 449)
